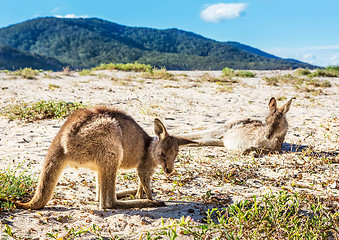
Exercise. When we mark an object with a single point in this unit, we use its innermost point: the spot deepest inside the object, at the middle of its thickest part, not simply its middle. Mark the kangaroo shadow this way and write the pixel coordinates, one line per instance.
(293, 148)
(172, 210)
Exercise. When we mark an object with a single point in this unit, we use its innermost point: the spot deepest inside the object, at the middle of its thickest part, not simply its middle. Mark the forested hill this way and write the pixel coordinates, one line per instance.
(85, 43)
(11, 58)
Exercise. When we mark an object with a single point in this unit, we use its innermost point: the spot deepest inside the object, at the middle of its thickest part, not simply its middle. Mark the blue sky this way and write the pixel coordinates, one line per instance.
(306, 30)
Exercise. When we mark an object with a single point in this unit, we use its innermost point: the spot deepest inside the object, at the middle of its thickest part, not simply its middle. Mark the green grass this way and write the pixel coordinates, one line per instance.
(225, 83)
(40, 110)
(327, 72)
(301, 83)
(244, 74)
(27, 73)
(282, 215)
(53, 86)
(303, 78)
(159, 74)
(230, 73)
(94, 232)
(220, 79)
(330, 71)
(72, 233)
(277, 80)
(85, 72)
(128, 67)
(15, 185)
(302, 72)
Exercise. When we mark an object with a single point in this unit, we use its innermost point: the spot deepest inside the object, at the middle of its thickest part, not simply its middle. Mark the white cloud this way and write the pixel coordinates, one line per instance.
(309, 57)
(222, 11)
(55, 9)
(334, 60)
(71, 16)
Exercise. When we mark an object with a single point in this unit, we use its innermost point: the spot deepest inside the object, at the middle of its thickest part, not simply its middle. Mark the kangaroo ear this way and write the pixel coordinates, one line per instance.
(284, 109)
(184, 141)
(160, 129)
(272, 104)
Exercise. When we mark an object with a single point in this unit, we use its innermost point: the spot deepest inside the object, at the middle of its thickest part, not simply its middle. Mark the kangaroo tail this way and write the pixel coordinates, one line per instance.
(210, 142)
(204, 134)
(216, 132)
(53, 166)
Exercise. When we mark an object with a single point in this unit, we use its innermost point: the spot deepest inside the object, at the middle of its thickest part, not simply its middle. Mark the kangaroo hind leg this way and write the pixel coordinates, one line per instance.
(106, 182)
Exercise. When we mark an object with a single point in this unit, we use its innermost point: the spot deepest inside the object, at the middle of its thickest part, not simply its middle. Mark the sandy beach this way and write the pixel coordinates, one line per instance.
(188, 102)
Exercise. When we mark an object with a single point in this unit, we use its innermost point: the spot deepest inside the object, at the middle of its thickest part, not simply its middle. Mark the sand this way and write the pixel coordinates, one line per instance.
(186, 103)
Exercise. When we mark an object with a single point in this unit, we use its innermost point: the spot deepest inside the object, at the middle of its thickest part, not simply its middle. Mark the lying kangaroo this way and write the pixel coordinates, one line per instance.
(105, 140)
(249, 134)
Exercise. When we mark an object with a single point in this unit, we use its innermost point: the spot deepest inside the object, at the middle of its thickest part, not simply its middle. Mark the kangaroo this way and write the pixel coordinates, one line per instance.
(249, 134)
(105, 140)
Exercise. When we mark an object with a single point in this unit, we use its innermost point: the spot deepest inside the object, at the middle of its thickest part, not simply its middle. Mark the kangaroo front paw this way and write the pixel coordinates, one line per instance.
(249, 150)
(246, 152)
(140, 195)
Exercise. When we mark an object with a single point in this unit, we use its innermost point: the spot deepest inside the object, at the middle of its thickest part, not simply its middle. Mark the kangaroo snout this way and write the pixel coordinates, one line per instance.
(168, 170)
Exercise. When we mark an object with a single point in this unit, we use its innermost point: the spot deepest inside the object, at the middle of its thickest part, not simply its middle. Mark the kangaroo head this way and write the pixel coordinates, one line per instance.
(167, 148)
(276, 120)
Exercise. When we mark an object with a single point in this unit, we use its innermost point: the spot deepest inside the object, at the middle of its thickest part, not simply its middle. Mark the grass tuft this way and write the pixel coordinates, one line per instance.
(230, 73)
(302, 72)
(27, 73)
(330, 71)
(282, 215)
(85, 72)
(15, 186)
(128, 67)
(159, 74)
(30, 112)
(301, 83)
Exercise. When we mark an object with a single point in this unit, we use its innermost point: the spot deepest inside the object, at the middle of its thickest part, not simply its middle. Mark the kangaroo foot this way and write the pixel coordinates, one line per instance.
(126, 193)
(139, 203)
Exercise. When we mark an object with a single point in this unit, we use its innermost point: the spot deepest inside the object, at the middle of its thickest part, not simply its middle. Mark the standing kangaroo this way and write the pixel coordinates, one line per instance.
(249, 134)
(105, 139)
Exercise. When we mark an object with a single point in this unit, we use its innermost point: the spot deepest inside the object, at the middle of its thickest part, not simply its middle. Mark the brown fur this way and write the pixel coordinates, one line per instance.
(105, 139)
(249, 134)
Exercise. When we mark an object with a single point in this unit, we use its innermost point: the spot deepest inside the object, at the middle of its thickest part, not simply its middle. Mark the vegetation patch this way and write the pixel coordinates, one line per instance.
(330, 71)
(244, 74)
(230, 73)
(277, 80)
(220, 79)
(159, 74)
(53, 86)
(282, 215)
(86, 72)
(27, 73)
(40, 110)
(16, 186)
(302, 83)
(128, 67)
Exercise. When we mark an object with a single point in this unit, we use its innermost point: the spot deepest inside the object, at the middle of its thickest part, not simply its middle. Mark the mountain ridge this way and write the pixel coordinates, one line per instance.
(88, 42)
(12, 58)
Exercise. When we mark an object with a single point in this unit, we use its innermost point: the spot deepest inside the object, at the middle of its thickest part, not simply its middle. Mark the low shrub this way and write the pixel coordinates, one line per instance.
(27, 73)
(40, 110)
(128, 67)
